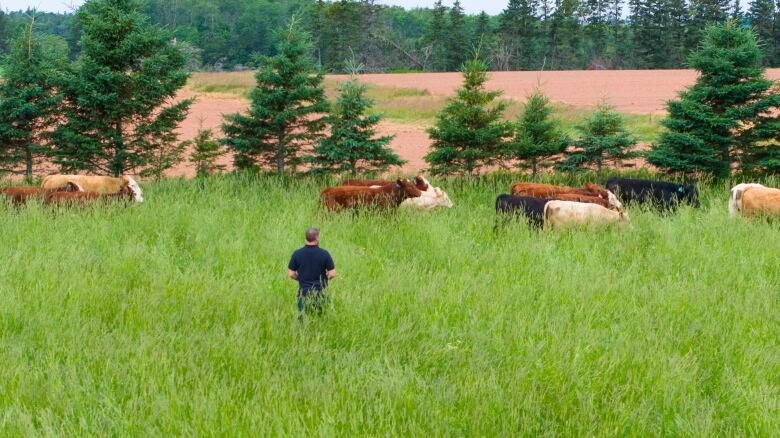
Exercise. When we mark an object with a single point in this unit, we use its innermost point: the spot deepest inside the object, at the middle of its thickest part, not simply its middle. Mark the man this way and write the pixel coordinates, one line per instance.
(312, 267)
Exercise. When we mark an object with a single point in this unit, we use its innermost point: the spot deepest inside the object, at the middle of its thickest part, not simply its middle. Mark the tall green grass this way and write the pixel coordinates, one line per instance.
(175, 317)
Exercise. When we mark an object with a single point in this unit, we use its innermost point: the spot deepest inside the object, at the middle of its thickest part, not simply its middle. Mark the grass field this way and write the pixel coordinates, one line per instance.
(175, 317)
(418, 107)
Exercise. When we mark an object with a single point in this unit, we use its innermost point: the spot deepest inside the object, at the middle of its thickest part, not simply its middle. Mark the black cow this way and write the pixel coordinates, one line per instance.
(531, 208)
(662, 194)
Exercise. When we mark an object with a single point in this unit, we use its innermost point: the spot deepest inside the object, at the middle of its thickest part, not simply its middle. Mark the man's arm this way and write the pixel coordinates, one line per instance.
(331, 274)
(292, 274)
(292, 268)
(330, 268)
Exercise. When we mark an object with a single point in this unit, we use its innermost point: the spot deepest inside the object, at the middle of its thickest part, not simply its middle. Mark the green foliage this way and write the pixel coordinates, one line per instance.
(28, 99)
(116, 104)
(353, 145)
(469, 133)
(175, 317)
(457, 42)
(603, 141)
(520, 35)
(205, 152)
(538, 137)
(729, 117)
(287, 110)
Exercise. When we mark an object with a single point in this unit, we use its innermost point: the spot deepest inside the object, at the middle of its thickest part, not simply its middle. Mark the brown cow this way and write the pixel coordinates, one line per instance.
(419, 182)
(22, 194)
(761, 201)
(125, 193)
(390, 195)
(586, 194)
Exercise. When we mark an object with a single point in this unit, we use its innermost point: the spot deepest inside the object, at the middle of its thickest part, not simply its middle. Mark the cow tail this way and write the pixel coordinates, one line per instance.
(544, 215)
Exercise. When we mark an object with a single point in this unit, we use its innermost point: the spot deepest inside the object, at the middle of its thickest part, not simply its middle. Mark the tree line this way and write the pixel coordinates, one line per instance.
(526, 35)
(114, 110)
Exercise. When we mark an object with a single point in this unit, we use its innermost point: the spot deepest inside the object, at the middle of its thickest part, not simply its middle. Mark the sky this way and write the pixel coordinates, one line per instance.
(492, 7)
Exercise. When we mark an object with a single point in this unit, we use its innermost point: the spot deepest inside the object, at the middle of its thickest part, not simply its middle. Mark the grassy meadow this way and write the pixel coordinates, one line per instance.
(175, 317)
(418, 107)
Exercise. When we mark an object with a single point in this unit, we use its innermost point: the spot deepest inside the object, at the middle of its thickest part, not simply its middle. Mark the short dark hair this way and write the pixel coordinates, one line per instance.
(312, 234)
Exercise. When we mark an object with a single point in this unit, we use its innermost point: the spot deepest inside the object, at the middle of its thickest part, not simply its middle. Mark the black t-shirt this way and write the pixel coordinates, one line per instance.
(312, 264)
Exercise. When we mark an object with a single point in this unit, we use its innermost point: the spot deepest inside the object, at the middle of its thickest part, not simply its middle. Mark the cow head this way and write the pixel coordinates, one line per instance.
(614, 201)
(442, 198)
(407, 188)
(597, 190)
(71, 187)
(421, 183)
(735, 199)
(134, 188)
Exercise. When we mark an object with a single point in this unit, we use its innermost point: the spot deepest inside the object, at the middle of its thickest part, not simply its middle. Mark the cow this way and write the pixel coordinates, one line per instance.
(419, 182)
(531, 208)
(666, 195)
(21, 194)
(559, 214)
(735, 198)
(761, 201)
(428, 201)
(95, 184)
(386, 196)
(125, 193)
(590, 192)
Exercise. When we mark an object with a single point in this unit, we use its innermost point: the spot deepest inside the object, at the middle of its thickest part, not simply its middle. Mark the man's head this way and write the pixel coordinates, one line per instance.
(312, 236)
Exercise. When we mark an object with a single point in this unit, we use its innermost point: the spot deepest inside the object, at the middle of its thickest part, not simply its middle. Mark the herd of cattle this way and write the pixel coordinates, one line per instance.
(546, 205)
(541, 204)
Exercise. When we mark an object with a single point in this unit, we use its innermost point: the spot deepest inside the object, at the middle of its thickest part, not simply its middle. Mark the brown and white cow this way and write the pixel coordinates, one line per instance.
(559, 214)
(22, 194)
(95, 184)
(125, 193)
(591, 193)
(760, 200)
(387, 196)
(735, 198)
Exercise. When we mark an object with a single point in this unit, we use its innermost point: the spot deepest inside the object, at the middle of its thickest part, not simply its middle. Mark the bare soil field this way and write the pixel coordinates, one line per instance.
(631, 91)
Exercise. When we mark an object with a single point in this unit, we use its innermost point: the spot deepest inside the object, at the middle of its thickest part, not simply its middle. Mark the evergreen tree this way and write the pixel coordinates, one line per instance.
(28, 98)
(519, 33)
(469, 133)
(116, 110)
(287, 110)
(704, 13)
(727, 117)
(565, 36)
(603, 141)
(457, 41)
(205, 152)
(437, 38)
(762, 17)
(353, 145)
(538, 136)
(482, 30)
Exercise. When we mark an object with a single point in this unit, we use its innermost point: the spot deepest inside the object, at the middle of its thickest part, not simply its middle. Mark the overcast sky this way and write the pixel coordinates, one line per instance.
(471, 6)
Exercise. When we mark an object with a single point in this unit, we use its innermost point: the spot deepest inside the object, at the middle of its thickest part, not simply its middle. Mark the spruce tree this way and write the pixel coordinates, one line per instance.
(117, 105)
(762, 18)
(28, 98)
(457, 41)
(538, 136)
(519, 33)
(726, 117)
(353, 145)
(603, 141)
(437, 38)
(469, 132)
(205, 152)
(287, 111)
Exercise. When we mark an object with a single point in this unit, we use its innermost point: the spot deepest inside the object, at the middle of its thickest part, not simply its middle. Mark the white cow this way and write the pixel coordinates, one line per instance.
(569, 213)
(429, 199)
(735, 199)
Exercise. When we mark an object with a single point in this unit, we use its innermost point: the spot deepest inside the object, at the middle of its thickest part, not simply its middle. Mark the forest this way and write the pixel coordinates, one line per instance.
(527, 35)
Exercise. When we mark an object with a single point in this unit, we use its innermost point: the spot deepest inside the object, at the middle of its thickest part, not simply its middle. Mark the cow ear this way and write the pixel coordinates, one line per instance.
(399, 183)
